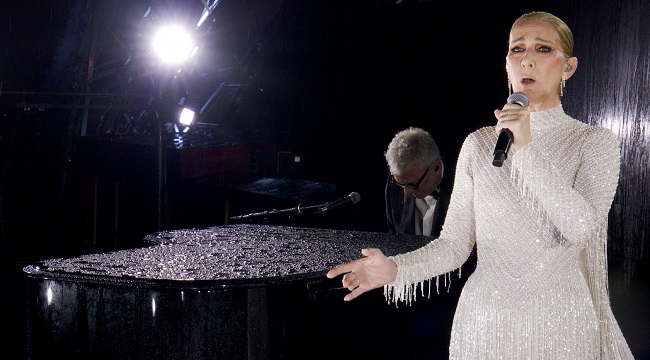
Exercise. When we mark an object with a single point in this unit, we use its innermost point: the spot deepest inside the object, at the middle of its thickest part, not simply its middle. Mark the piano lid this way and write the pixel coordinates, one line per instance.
(231, 255)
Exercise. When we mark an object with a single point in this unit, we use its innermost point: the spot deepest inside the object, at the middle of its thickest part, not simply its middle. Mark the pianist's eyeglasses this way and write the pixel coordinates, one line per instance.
(414, 187)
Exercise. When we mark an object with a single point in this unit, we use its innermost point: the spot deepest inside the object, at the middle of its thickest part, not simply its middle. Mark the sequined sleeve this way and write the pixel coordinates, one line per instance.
(574, 203)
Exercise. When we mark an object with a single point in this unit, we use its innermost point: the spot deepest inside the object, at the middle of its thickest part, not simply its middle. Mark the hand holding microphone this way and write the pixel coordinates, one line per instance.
(505, 135)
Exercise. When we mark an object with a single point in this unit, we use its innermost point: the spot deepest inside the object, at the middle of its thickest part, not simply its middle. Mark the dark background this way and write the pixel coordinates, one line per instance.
(329, 82)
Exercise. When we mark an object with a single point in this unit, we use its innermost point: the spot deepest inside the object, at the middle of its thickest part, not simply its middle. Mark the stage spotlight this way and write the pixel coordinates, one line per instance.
(173, 45)
(187, 117)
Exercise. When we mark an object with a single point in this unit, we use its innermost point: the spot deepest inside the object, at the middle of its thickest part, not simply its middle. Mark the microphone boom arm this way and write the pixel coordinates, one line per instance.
(354, 198)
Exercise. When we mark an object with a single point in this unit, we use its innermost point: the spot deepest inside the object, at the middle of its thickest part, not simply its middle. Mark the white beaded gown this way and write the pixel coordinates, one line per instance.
(539, 223)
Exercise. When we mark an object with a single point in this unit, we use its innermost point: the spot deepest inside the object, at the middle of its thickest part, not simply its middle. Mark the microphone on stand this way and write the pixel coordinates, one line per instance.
(354, 198)
(505, 136)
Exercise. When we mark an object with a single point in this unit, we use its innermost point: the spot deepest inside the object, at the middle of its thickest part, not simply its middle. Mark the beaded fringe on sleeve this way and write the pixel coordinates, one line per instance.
(594, 255)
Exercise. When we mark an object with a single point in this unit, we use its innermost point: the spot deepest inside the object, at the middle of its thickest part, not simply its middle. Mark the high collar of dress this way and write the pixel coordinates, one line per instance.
(546, 119)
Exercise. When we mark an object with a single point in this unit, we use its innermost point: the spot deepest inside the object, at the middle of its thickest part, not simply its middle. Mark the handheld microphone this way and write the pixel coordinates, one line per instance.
(505, 136)
(354, 198)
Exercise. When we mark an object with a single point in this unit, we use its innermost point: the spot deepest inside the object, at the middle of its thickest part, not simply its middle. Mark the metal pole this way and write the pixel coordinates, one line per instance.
(160, 148)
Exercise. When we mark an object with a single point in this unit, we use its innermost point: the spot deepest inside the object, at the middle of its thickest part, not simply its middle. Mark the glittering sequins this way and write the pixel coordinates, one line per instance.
(539, 224)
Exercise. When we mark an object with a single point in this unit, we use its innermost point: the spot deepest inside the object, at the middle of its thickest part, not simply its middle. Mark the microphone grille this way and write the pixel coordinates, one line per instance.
(355, 197)
(518, 98)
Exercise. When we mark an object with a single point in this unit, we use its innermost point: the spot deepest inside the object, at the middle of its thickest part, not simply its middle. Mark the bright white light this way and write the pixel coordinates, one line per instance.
(173, 45)
(49, 295)
(187, 116)
(204, 16)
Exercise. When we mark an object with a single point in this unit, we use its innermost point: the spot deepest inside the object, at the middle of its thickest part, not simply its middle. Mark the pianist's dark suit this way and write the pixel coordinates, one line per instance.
(400, 209)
